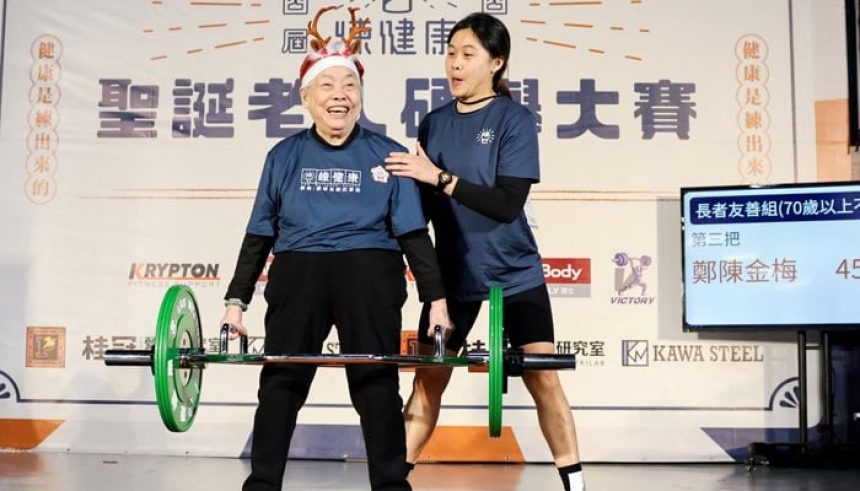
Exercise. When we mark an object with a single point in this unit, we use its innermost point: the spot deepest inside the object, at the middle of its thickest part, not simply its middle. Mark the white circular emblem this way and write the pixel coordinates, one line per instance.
(486, 136)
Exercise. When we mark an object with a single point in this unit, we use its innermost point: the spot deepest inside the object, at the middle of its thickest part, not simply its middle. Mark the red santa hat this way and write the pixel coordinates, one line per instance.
(343, 52)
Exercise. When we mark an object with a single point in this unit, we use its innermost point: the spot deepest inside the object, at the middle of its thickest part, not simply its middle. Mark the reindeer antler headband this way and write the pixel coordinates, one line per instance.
(343, 52)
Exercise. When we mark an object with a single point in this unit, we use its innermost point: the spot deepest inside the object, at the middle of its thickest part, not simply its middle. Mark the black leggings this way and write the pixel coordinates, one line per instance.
(361, 292)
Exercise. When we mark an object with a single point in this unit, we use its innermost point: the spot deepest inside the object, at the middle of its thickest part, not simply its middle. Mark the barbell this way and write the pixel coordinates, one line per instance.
(177, 359)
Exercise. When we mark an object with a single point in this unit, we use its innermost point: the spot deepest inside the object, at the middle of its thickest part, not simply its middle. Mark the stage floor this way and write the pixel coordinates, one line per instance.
(68, 471)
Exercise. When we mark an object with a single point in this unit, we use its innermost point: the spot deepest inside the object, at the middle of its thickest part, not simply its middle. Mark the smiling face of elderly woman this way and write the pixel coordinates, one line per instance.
(333, 99)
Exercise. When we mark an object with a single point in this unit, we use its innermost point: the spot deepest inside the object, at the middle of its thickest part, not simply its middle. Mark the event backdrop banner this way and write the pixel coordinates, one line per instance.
(133, 135)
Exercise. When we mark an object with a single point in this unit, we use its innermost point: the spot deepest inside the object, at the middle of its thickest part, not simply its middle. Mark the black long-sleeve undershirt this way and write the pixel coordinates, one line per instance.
(253, 254)
(504, 202)
(421, 257)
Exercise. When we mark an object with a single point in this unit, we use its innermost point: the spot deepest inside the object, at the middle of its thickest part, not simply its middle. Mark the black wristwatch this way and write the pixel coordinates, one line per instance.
(443, 180)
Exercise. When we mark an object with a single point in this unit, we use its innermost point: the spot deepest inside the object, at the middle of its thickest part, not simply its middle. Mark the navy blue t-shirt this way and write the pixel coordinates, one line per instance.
(318, 198)
(476, 252)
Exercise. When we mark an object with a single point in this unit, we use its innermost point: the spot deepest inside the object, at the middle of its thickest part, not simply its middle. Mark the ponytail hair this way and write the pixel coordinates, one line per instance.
(502, 88)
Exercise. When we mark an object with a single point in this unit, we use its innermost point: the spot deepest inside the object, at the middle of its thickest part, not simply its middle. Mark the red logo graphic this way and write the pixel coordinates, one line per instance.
(570, 271)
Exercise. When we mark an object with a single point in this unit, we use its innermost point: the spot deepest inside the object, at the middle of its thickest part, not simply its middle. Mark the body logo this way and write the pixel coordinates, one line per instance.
(567, 277)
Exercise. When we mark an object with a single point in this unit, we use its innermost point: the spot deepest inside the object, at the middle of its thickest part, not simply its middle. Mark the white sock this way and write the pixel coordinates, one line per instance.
(577, 483)
(571, 477)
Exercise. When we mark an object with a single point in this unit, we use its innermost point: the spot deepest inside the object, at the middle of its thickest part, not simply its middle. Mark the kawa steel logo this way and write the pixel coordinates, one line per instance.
(634, 353)
(641, 353)
(567, 277)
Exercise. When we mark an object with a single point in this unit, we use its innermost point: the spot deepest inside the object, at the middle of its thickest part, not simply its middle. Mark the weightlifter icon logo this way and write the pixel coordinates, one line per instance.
(630, 279)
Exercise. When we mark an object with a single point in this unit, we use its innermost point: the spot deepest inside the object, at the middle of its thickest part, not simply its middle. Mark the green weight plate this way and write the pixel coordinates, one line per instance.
(496, 362)
(177, 390)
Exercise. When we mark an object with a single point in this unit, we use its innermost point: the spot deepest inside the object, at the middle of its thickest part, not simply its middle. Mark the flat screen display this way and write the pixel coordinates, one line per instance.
(784, 256)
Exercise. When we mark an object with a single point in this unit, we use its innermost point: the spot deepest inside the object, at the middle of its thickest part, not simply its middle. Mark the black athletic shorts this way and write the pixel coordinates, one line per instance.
(526, 316)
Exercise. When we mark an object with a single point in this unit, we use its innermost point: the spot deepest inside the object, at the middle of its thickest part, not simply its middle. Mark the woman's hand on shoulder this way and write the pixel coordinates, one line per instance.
(418, 166)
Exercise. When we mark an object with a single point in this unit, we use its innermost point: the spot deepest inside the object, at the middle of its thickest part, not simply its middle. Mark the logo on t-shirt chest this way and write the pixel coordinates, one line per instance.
(331, 180)
(486, 136)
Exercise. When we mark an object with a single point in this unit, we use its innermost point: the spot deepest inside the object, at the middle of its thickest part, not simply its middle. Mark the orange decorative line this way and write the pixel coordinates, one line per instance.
(227, 45)
(564, 4)
(256, 4)
(563, 45)
(644, 29)
(264, 21)
(256, 40)
(194, 51)
(216, 4)
(156, 2)
(531, 39)
(616, 28)
(534, 4)
(573, 24)
(635, 1)
(634, 58)
(597, 51)
(207, 26)
(539, 22)
(159, 57)
(177, 28)
(148, 31)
